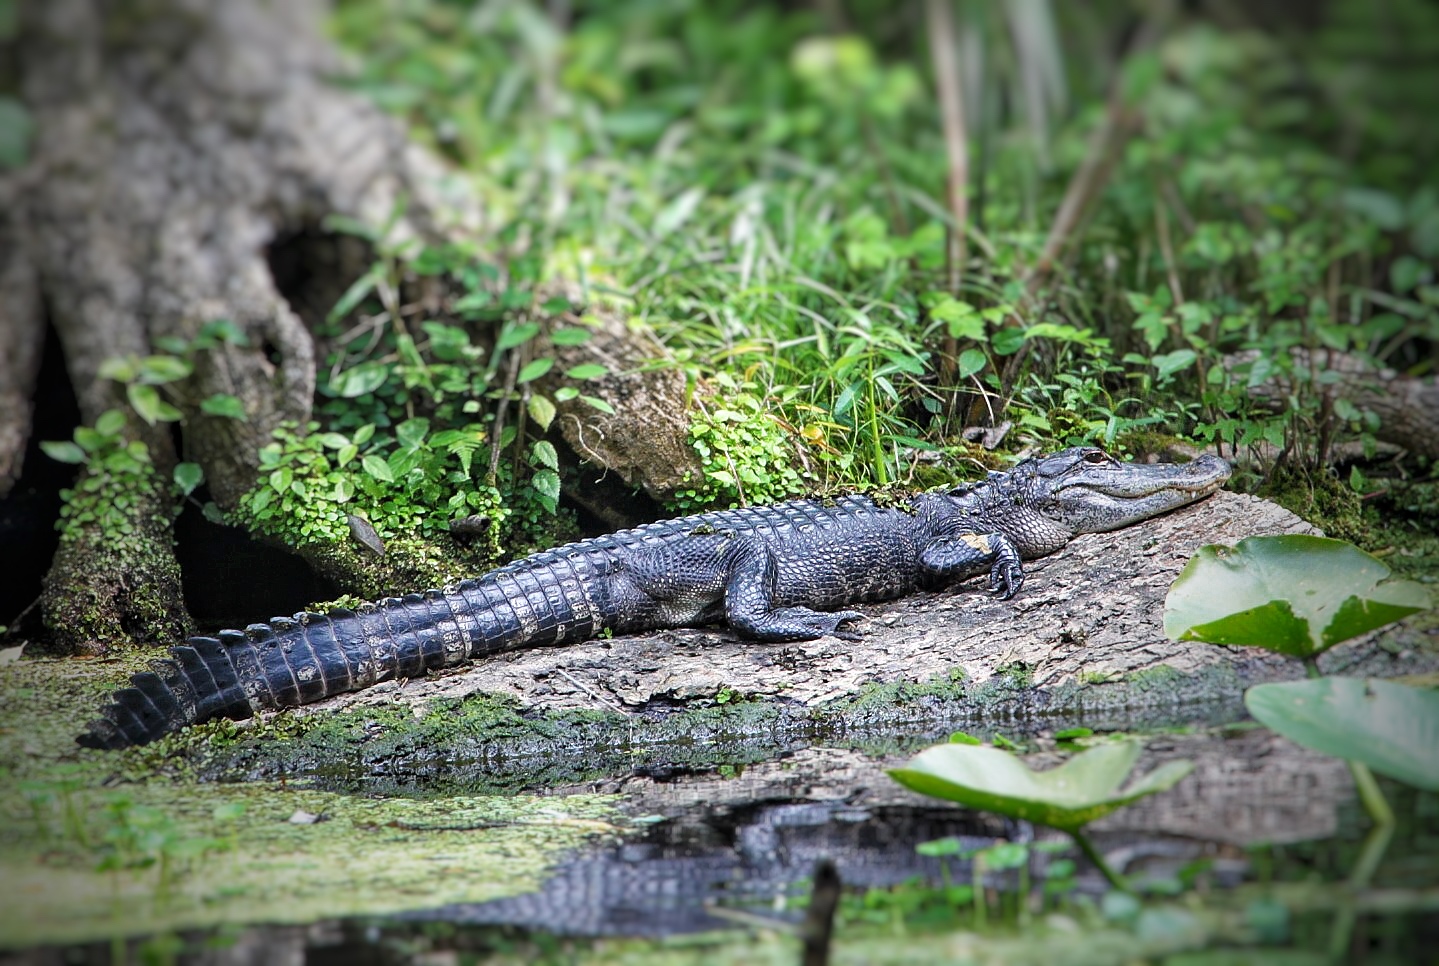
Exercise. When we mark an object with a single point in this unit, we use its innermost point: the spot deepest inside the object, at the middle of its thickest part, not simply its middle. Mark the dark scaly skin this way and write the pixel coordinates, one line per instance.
(774, 573)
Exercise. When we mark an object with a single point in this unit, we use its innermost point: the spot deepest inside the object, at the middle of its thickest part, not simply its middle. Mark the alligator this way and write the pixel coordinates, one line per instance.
(775, 573)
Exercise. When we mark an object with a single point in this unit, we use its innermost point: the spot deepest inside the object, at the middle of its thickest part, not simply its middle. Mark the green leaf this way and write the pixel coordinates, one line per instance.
(1294, 594)
(346, 453)
(110, 423)
(1392, 728)
(533, 369)
(364, 434)
(1171, 362)
(566, 393)
(333, 440)
(120, 370)
(547, 485)
(147, 402)
(355, 294)
(961, 319)
(281, 479)
(223, 330)
(516, 335)
(412, 432)
(1084, 788)
(377, 468)
(188, 476)
(158, 370)
(541, 410)
(589, 370)
(971, 361)
(224, 404)
(544, 453)
(570, 336)
(596, 403)
(359, 380)
(63, 450)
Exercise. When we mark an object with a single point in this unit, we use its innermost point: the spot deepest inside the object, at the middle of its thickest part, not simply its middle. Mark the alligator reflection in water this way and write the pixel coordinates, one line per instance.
(662, 882)
(748, 838)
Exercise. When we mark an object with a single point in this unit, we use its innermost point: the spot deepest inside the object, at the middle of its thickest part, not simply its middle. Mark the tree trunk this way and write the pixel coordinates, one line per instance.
(178, 142)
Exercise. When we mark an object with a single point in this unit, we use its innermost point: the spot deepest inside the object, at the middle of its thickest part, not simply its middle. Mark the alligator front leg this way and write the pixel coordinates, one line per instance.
(749, 600)
(969, 554)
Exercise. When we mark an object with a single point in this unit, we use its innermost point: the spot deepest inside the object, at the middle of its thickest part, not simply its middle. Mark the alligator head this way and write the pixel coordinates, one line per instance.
(1088, 491)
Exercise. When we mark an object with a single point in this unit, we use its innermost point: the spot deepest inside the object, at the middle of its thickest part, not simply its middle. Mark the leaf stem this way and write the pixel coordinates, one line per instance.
(1091, 853)
(1383, 815)
(1311, 666)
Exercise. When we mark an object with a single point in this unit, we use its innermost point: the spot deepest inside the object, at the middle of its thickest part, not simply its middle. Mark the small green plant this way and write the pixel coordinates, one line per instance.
(1068, 797)
(748, 456)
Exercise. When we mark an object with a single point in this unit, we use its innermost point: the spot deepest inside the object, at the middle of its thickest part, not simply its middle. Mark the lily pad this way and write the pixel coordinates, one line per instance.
(1392, 728)
(1295, 594)
(1068, 797)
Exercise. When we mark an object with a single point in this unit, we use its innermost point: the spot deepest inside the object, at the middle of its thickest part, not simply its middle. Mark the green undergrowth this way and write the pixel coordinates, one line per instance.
(98, 846)
(1392, 518)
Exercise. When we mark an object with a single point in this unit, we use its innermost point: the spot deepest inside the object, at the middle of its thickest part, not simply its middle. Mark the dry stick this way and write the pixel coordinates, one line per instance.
(938, 13)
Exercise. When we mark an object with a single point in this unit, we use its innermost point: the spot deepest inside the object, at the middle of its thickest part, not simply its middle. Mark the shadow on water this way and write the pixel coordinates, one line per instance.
(714, 849)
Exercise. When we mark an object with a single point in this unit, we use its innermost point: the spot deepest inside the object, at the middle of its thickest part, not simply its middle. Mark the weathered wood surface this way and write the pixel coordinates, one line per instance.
(1093, 611)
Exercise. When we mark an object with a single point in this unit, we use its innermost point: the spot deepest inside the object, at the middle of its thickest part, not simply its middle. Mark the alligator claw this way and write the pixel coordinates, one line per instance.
(844, 617)
(1005, 579)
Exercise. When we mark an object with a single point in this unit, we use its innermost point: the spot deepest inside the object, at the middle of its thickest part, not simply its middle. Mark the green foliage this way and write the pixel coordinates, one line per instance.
(1392, 728)
(1295, 594)
(767, 188)
(747, 455)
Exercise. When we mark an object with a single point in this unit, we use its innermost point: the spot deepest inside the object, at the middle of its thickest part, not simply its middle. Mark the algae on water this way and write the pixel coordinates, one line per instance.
(97, 845)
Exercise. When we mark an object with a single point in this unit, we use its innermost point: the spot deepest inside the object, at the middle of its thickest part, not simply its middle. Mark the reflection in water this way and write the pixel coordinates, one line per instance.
(749, 837)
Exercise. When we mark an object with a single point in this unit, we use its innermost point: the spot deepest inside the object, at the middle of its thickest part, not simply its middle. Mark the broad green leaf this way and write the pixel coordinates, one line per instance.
(518, 335)
(971, 361)
(535, 368)
(120, 370)
(412, 432)
(1392, 728)
(158, 370)
(149, 405)
(589, 370)
(358, 380)
(188, 476)
(545, 454)
(571, 336)
(377, 468)
(1294, 594)
(1084, 788)
(63, 450)
(594, 402)
(542, 411)
(223, 404)
(110, 423)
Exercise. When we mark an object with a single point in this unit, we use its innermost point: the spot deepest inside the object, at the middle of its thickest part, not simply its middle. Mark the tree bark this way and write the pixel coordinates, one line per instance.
(177, 142)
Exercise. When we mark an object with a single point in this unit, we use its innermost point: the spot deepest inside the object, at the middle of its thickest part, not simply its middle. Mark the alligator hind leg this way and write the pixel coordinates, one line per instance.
(749, 601)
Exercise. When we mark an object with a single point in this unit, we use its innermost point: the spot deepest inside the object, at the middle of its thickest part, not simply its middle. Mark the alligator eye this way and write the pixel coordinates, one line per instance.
(1096, 456)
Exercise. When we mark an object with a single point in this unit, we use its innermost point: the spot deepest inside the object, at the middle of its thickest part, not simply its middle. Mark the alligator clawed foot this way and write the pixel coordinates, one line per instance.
(1005, 579)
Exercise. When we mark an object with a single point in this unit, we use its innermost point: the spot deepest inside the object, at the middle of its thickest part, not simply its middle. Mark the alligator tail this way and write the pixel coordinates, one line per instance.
(297, 660)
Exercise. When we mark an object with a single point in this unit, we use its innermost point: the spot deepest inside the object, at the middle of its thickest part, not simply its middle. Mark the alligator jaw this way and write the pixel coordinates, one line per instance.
(1096, 497)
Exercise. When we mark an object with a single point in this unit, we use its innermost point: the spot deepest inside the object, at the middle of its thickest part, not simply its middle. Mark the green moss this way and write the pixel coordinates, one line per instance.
(115, 579)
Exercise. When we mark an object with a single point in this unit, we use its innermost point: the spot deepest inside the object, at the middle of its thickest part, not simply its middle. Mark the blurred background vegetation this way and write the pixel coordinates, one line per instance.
(1149, 188)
